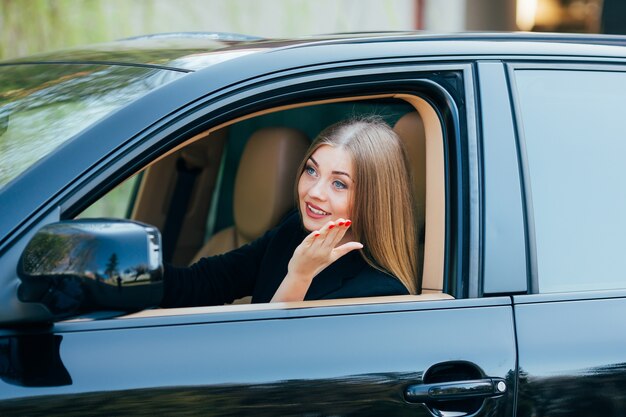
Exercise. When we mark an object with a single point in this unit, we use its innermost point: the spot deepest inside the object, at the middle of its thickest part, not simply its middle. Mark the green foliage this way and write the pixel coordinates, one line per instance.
(32, 26)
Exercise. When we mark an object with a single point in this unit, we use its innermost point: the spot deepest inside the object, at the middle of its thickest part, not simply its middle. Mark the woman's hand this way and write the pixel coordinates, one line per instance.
(318, 250)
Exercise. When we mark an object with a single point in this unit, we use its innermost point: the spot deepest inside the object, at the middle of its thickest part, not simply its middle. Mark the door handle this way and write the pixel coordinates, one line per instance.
(457, 390)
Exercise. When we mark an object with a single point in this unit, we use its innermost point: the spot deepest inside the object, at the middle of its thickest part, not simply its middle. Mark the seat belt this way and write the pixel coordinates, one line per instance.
(186, 176)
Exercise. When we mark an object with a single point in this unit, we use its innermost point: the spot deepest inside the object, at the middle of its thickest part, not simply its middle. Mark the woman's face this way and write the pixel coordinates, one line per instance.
(326, 187)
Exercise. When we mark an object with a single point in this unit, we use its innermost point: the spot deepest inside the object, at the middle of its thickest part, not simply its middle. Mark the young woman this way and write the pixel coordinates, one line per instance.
(353, 234)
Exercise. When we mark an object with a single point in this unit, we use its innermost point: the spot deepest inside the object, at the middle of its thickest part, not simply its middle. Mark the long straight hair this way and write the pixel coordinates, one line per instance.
(383, 207)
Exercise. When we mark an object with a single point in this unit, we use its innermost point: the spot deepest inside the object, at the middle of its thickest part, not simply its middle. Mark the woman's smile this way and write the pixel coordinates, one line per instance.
(315, 211)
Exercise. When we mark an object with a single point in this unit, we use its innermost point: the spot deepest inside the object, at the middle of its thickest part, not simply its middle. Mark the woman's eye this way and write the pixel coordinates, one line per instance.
(310, 170)
(339, 184)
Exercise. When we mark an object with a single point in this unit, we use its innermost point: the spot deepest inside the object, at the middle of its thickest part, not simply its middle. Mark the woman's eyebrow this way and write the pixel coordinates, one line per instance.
(334, 172)
(342, 173)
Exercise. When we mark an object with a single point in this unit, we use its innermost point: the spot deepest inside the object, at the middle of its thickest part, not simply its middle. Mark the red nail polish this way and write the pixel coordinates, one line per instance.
(340, 224)
(316, 234)
(348, 223)
(331, 226)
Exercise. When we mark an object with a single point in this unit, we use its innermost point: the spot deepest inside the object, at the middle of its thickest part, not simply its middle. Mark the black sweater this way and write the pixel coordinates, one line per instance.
(259, 267)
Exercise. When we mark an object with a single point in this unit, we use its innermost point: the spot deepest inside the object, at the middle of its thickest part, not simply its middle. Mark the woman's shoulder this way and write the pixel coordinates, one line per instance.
(287, 234)
(383, 282)
(291, 219)
(289, 226)
(371, 282)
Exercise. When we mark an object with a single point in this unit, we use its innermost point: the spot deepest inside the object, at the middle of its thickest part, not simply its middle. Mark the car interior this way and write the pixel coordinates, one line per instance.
(226, 186)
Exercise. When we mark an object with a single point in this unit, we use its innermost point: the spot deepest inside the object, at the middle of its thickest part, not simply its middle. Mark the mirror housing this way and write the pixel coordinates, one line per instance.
(78, 266)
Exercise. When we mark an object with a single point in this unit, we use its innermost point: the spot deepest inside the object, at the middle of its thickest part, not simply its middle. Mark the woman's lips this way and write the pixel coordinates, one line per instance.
(315, 212)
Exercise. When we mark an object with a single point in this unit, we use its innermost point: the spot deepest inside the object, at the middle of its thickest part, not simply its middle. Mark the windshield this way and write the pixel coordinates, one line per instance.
(43, 105)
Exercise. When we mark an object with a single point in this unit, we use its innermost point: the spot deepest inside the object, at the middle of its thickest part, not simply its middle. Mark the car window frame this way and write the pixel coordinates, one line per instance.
(366, 92)
(396, 79)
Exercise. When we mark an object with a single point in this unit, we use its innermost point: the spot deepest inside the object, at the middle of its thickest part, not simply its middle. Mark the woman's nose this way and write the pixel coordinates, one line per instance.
(317, 191)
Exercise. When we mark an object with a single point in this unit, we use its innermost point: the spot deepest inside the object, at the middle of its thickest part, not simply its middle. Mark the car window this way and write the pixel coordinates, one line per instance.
(208, 225)
(574, 139)
(42, 106)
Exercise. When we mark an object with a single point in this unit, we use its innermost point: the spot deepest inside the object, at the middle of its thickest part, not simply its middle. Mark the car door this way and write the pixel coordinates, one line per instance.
(411, 356)
(570, 331)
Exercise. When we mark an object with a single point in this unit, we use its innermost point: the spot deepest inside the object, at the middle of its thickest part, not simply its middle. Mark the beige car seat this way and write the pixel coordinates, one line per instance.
(264, 187)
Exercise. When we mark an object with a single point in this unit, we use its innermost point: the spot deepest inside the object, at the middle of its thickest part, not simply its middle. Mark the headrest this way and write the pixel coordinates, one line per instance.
(410, 129)
(264, 186)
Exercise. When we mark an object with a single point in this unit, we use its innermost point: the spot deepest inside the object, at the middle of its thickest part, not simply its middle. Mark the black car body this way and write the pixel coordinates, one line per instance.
(521, 190)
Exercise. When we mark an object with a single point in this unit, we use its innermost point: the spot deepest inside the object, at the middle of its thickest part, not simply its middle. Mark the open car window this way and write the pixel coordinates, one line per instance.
(206, 199)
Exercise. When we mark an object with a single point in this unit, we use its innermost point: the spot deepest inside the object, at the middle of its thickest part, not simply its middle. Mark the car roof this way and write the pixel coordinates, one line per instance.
(190, 51)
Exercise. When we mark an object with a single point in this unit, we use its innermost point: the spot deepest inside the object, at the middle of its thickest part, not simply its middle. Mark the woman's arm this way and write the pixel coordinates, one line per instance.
(215, 280)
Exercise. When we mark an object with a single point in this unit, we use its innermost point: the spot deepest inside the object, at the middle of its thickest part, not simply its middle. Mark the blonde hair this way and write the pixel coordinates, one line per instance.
(383, 208)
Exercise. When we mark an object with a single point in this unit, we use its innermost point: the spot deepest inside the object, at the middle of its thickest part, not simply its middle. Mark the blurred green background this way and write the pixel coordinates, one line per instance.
(32, 26)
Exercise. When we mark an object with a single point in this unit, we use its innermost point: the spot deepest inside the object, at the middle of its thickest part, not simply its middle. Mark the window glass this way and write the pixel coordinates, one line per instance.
(44, 105)
(116, 203)
(573, 123)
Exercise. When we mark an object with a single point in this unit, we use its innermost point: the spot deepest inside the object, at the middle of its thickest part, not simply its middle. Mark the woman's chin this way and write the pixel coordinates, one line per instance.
(309, 226)
(313, 224)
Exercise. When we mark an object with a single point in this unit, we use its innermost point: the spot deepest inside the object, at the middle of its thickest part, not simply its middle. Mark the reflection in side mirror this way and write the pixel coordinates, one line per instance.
(77, 266)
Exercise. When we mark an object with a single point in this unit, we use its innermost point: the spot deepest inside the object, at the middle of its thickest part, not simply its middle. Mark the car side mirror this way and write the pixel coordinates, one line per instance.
(77, 266)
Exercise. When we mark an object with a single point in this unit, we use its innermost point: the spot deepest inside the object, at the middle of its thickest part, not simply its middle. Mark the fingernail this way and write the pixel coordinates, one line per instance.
(340, 224)
(348, 223)
(316, 234)
(331, 226)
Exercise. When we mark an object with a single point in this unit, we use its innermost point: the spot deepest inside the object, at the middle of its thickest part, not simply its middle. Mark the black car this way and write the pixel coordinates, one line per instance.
(119, 157)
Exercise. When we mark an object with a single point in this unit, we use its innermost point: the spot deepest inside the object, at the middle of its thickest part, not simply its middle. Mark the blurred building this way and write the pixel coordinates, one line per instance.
(582, 16)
